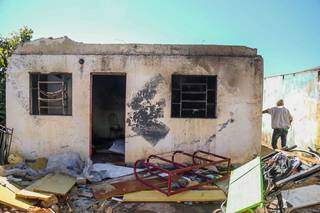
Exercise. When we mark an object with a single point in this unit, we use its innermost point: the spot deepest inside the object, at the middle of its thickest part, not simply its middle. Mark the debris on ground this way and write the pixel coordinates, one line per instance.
(65, 183)
(37, 164)
(8, 197)
(15, 158)
(69, 163)
(300, 197)
(57, 183)
(118, 146)
(100, 171)
(201, 168)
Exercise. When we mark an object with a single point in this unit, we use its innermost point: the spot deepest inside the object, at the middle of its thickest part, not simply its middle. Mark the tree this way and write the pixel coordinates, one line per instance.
(7, 47)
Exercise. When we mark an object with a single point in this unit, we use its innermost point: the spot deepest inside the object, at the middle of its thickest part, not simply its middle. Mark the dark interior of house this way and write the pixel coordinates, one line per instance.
(108, 118)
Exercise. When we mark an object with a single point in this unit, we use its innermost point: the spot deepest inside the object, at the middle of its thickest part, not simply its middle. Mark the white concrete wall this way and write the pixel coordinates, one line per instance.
(300, 93)
(236, 131)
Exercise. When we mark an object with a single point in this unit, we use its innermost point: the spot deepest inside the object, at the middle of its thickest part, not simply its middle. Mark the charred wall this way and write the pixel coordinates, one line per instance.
(149, 127)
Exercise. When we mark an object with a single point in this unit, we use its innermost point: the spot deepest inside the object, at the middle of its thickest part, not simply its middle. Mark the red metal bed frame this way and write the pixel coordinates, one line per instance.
(166, 177)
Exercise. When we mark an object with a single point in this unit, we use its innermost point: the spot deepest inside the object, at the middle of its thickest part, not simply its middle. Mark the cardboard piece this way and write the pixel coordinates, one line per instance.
(59, 184)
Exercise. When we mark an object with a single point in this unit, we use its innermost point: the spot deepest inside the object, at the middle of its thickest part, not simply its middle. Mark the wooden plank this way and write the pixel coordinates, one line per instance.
(106, 191)
(188, 196)
(4, 182)
(57, 183)
(245, 188)
(29, 193)
(8, 197)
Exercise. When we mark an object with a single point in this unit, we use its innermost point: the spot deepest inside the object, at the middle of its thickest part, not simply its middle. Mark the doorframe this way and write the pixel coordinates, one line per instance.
(90, 103)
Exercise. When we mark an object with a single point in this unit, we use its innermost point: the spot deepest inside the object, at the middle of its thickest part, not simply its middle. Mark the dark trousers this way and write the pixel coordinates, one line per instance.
(282, 133)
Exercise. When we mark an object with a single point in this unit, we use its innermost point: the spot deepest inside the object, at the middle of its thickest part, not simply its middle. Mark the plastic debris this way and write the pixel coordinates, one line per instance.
(99, 171)
(118, 147)
(68, 163)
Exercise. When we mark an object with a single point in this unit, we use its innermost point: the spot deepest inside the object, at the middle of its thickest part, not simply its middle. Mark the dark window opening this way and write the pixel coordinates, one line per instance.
(194, 96)
(50, 94)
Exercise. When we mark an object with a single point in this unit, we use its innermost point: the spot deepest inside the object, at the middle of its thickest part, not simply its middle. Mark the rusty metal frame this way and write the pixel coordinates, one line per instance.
(154, 170)
(5, 143)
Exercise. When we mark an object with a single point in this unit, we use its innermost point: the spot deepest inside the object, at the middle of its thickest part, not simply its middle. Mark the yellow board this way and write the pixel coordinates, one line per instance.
(194, 195)
(58, 184)
(8, 197)
(29, 193)
(4, 182)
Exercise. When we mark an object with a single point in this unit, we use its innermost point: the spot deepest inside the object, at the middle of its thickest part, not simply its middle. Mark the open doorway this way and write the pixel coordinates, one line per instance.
(108, 118)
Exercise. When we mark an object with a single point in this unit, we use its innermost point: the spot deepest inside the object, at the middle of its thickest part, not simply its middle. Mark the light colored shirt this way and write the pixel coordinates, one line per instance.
(280, 117)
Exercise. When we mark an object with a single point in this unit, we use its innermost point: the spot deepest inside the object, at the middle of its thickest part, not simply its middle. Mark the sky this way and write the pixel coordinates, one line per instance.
(285, 32)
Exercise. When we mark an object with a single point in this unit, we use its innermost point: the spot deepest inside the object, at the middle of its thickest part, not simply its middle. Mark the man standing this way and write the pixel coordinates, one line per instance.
(280, 122)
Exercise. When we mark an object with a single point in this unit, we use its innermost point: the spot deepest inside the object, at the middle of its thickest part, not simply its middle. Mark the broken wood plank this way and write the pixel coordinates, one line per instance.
(59, 184)
(4, 182)
(188, 196)
(106, 190)
(29, 193)
(8, 197)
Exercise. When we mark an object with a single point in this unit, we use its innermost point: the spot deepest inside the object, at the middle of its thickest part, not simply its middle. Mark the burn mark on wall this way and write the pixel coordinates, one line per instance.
(211, 139)
(225, 124)
(144, 120)
(196, 144)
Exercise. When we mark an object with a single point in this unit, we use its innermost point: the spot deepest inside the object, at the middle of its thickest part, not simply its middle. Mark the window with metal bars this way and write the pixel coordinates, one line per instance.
(194, 96)
(50, 94)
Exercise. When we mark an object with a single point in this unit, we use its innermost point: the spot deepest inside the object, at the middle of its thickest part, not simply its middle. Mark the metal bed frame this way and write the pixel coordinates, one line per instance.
(180, 170)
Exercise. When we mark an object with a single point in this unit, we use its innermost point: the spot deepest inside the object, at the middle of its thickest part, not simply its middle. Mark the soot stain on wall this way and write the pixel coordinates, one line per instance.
(225, 124)
(144, 120)
(211, 139)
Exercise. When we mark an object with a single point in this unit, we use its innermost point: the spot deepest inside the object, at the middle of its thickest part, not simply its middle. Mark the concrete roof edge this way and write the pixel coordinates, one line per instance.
(64, 46)
(314, 69)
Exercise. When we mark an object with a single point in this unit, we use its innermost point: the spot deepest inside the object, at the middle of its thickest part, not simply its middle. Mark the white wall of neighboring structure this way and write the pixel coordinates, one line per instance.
(300, 92)
(236, 131)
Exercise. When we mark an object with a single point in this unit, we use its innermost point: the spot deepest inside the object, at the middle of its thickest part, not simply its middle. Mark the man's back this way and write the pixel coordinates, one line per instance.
(280, 117)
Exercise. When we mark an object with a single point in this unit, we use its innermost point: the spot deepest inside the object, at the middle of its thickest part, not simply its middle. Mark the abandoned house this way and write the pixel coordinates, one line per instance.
(64, 95)
(300, 92)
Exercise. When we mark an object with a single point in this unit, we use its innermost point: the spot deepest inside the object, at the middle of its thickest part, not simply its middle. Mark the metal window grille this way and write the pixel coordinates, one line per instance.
(193, 96)
(50, 94)
(5, 143)
(51, 100)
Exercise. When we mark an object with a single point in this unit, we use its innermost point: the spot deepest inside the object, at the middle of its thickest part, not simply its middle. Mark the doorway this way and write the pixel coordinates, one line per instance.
(108, 118)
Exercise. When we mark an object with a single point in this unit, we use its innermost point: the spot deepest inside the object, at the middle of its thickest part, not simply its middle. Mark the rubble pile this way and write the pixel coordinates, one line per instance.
(65, 183)
(61, 183)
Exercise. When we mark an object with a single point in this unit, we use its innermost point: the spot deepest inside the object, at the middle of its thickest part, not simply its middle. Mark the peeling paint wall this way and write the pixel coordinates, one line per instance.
(300, 92)
(236, 131)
